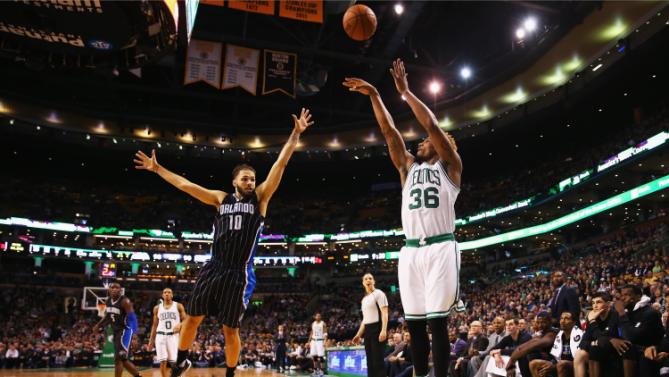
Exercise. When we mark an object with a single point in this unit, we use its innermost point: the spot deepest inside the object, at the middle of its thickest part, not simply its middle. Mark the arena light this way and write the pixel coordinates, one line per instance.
(334, 143)
(100, 128)
(598, 66)
(435, 87)
(482, 113)
(446, 123)
(4, 109)
(530, 24)
(573, 65)
(465, 72)
(53, 118)
(399, 9)
(556, 78)
(520, 33)
(257, 143)
(613, 30)
(517, 96)
(594, 209)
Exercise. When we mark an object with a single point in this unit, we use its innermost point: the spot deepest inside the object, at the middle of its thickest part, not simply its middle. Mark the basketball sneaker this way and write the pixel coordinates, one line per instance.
(180, 370)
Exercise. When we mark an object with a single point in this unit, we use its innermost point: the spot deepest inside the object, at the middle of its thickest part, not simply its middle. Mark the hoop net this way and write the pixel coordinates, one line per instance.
(101, 309)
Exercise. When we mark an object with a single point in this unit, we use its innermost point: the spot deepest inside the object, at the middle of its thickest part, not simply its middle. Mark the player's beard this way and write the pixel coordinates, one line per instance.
(242, 193)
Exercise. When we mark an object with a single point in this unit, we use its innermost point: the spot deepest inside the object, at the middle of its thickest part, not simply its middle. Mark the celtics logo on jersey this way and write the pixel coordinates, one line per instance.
(427, 197)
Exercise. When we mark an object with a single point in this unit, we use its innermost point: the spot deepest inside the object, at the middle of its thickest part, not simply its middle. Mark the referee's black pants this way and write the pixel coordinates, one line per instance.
(374, 350)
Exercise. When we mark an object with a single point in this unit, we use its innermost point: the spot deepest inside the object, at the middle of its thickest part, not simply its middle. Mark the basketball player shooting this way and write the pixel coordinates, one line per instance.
(167, 318)
(121, 315)
(429, 264)
(225, 284)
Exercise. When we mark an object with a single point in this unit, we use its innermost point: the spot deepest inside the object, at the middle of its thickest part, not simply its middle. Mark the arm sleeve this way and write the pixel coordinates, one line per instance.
(132, 321)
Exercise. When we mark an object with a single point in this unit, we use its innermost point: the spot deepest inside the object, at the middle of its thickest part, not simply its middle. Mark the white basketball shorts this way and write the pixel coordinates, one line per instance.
(429, 280)
(167, 347)
(317, 348)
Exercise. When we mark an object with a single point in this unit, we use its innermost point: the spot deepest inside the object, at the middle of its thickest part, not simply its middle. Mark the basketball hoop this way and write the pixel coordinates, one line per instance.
(101, 309)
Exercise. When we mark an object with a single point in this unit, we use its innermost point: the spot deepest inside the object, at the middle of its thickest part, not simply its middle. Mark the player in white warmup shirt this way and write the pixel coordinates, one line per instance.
(167, 317)
(429, 265)
(317, 343)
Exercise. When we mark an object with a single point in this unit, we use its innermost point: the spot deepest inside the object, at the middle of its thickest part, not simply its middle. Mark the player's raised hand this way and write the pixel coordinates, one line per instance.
(303, 122)
(145, 162)
(355, 84)
(400, 76)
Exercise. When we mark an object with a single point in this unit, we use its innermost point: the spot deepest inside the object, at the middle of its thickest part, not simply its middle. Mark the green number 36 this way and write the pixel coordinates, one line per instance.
(428, 198)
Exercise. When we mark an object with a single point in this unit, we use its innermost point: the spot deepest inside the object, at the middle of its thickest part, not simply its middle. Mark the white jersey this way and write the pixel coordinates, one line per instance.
(428, 201)
(318, 330)
(168, 318)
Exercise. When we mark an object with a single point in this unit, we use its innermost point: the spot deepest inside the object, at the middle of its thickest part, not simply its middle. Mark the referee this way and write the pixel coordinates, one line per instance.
(374, 325)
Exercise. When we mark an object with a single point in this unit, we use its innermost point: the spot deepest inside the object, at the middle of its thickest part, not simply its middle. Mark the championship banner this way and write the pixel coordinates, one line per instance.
(255, 6)
(203, 63)
(218, 3)
(305, 10)
(280, 73)
(241, 68)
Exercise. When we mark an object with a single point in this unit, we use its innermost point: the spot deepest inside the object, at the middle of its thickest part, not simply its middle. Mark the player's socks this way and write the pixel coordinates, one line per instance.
(181, 357)
(230, 371)
(420, 346)
(441, 347)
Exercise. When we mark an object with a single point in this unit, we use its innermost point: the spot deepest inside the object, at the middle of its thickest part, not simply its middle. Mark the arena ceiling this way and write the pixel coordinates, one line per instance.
(436, 39)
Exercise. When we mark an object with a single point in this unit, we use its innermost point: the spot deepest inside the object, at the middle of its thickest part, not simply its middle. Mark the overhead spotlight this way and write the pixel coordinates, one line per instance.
(88, 137)
(435, 87)
(465, 72)
(399, 9)
(598, 66)
(11, 121)
(115, 141)
(520, 33)
(530, 24)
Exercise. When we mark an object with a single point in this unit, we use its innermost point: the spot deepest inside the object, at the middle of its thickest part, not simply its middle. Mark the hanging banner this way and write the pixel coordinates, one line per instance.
(241, 68)
(255, 6)
(280, 72)
(218, 3)
(305, 10)
(203, 63)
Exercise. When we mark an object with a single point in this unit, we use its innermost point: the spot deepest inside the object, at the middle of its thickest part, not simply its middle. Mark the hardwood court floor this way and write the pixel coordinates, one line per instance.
(154, 372)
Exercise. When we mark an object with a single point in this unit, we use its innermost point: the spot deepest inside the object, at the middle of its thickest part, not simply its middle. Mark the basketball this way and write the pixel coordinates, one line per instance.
(359, 22)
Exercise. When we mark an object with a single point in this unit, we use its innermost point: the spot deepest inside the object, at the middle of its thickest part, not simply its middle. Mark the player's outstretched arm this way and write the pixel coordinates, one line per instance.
(401, 158)
(266, 189)
(206, 196)
(442, 142)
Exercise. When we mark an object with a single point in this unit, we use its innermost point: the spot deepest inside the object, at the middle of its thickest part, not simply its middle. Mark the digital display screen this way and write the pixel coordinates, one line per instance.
(347, 361)
(108, 270)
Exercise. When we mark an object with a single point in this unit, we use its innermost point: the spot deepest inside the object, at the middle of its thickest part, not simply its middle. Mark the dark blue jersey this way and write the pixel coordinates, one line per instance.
(237, 227)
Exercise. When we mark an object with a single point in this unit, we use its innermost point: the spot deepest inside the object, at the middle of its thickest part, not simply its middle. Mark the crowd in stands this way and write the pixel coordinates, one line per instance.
(44, 326)
(132, 207)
